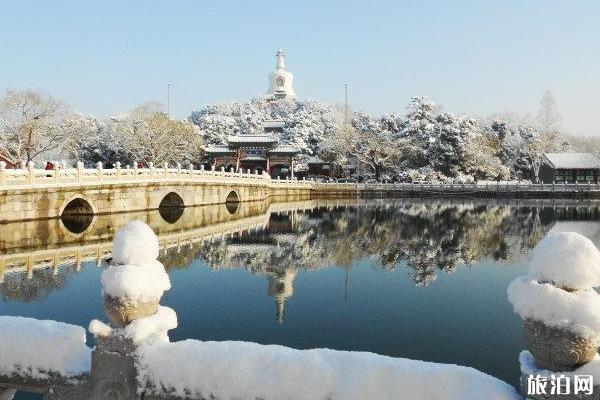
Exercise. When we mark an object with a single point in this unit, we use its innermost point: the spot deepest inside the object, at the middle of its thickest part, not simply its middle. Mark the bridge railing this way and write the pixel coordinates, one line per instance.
(31, 176)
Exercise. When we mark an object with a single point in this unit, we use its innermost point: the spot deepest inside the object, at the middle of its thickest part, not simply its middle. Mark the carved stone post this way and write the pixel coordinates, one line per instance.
(79, 171)
(56, 169)
(118, 168)
(2, 172)
(31, 172)
(99, 170)
(561, 323)
(151, 167)
(7, 394)
(113, 373)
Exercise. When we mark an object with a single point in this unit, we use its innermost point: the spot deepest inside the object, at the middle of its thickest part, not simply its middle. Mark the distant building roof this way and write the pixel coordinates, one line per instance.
(275, 123)
(573, 160)
(218, 149)
(285, 149)
(239, 139)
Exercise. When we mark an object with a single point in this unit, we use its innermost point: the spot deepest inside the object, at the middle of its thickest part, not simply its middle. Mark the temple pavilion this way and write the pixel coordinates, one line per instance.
(261, 152)
(255, 152)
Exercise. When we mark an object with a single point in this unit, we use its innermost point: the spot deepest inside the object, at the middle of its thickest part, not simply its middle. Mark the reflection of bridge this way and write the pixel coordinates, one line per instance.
(24, 249)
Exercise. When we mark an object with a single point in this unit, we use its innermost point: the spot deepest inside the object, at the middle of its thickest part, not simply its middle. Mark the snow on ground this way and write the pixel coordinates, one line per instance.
(242, 370)
(35, 348)
(577, 311)
(137, 282)
(567, 259)
(135, 243)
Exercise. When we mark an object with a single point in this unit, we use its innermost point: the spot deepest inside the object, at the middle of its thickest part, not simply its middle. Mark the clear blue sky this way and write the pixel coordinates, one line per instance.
(473, 57)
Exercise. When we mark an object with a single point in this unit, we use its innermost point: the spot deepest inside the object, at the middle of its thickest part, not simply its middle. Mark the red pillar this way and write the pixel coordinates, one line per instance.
(268, 164)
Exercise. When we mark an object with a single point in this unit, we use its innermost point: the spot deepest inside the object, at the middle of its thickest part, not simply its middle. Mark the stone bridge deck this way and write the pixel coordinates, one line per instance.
(29, 194)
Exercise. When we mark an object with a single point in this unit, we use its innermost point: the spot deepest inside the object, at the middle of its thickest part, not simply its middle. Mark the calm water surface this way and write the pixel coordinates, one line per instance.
(406, 278)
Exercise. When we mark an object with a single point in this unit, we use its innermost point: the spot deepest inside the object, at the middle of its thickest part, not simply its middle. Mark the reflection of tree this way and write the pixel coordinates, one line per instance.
(180, 257)
(425, 238)
(17, 286)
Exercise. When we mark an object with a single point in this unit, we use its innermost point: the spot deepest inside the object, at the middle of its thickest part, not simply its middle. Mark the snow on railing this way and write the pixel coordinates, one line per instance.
(31, 176)
(80, 175)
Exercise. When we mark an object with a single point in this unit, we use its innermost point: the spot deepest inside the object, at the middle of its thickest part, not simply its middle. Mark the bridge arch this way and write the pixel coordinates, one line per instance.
(232, 197)
(171, 207)
(77, 214)
(232, 202)
(78, 204)
(171, 199)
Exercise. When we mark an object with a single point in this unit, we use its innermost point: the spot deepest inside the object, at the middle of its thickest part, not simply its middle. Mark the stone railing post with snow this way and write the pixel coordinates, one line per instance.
(561, 319)
(132, 287)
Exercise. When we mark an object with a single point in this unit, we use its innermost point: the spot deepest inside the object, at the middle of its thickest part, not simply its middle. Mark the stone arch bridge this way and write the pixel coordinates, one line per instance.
(28, 194)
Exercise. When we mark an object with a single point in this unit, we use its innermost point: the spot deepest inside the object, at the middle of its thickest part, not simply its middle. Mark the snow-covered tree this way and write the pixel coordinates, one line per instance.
(105, 144)
(308, 122)
(372, 142)
(448, 148)
(481, 160)
(150, 135)
(32, 125)
(548, 118)
(375, 148)
(521, 145)
(146, 134)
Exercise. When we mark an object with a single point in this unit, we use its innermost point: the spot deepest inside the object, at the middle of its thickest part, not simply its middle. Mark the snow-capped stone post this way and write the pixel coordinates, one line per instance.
(132, 287)
(2, 172)
(118, 168)
(151, 167)
(561, 314)
(31, 172)
(99, 170)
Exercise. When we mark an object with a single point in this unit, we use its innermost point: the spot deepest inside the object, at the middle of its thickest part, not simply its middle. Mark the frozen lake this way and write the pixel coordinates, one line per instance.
(407, 278)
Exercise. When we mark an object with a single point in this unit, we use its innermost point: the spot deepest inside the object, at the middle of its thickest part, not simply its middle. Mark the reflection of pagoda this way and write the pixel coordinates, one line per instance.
(281, 287)
(281, 226)
(263, 252)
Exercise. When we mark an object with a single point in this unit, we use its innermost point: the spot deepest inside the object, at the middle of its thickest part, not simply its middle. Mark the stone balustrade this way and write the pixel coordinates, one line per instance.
(30, 176)
(12, 178)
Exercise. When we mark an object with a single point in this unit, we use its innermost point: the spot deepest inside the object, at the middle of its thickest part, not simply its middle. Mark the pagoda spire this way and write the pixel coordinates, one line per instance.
(280, 59)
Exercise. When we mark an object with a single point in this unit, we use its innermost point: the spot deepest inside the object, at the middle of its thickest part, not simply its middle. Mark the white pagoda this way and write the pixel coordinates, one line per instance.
(281, 82)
